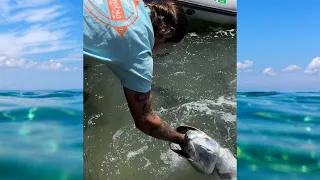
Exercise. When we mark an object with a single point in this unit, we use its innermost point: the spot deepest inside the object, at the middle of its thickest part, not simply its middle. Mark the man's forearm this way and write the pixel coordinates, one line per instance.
(140, 105)
(157, 128)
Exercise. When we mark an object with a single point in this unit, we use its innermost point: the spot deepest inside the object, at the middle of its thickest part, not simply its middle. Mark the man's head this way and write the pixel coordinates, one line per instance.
(169, 22)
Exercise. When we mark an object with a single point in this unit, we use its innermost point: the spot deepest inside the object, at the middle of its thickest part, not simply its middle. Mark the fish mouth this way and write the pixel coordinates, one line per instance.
(184, 129)
(176, 147)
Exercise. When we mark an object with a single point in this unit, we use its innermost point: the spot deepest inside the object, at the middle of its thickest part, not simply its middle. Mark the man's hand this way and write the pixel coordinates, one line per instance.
(140, 105)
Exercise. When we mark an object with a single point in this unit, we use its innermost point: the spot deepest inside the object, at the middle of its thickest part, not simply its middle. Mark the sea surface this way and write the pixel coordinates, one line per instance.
(195, 84)
(41, 135)
(278, 135)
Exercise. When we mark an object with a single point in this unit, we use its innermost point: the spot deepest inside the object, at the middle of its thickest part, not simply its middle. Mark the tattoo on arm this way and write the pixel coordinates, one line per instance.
(159, 130)
(163, 129)
(145, 98)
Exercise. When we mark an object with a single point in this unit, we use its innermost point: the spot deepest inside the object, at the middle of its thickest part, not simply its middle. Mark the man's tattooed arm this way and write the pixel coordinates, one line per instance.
(140, 105)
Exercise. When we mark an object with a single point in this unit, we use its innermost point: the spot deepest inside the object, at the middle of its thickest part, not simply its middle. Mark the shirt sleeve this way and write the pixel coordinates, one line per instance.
(136, 72)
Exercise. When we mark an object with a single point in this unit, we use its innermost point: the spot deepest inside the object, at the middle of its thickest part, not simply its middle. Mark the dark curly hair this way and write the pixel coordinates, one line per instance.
(168, 19)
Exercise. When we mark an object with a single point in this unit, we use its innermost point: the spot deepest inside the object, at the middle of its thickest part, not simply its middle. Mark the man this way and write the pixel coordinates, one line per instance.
(123, 34)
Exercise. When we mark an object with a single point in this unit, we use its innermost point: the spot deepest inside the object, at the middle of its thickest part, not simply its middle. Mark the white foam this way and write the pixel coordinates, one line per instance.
(227, 33)
(132, 154)
(177, 73)
(117, 134)
(134, 147)
(148, 162)
(173, 161)
(170, 158)
(193, 34)
(228, 117)
(208, 107)
(93, 117)
(233, 82)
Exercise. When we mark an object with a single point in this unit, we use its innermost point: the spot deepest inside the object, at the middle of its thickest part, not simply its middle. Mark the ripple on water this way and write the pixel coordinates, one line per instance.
(279, 139)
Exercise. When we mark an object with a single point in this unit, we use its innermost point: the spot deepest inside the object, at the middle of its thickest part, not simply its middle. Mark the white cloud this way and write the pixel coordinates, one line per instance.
(41, 27)
(269, 71)
(36, 15)
(4, 8)
(6, 62)
(291, 68)
(56, 66)
(30, 64)
(66, 69)
(57, 24)
(71, 69)
(32, 3)
(50, 65)
(245, 65)
(35, 40)
(7, 6)
(313, 67)
(31, 27)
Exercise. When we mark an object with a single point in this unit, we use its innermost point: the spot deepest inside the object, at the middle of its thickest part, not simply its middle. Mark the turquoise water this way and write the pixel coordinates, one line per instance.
(41, 135)
(278, 135)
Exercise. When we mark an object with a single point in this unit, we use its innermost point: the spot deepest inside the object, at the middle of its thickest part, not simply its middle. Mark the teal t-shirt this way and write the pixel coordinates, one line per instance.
(120, 33)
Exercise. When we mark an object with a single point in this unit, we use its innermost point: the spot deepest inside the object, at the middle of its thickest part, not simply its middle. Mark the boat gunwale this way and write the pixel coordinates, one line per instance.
(207, 8)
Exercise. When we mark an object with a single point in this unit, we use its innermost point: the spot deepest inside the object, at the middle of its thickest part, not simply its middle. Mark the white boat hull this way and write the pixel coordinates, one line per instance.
(210, 10)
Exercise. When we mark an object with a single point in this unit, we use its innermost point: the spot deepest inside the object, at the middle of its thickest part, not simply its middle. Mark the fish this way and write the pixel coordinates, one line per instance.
(205, 154)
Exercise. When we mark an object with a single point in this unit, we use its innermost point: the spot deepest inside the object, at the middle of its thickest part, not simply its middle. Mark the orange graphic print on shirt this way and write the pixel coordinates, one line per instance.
(116, 16)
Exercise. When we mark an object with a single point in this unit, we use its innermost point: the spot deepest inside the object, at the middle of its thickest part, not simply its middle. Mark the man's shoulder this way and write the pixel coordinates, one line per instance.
(117, 29)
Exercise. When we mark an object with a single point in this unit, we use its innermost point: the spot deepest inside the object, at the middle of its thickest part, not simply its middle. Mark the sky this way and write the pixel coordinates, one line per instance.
(41, 44)
(278, 46)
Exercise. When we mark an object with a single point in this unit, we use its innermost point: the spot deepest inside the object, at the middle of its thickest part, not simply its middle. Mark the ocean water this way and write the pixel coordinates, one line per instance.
(41, 135)
(278, 135)
(195, 84)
